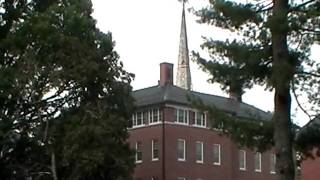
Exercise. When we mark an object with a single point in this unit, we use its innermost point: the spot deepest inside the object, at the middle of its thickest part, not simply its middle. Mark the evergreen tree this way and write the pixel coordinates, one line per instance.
(64, 95)
(273, 50)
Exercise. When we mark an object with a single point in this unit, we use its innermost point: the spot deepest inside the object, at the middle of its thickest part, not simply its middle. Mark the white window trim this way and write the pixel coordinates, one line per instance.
(152, 148)
(151, 120)
(184, 150)
(275, 158)
(244, 160)
(200, 161)
(260, 163)
(195, 119)
(136, 155)
(177, 118)
(219, 148)
(181, 178)
(135, 118)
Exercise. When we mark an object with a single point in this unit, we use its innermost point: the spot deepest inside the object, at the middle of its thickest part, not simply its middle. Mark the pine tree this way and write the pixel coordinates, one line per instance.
(64, 95)
(273, 49)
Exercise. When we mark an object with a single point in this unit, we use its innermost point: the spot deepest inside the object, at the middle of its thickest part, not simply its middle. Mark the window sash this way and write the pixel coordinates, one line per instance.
(216, 154)
(199, 152)
(134, 120)
(182, 116)
(273, 163)
(200, 119)
(138, 119)
(155, 115)
(155, 150)
(138, 156)
(242, 160)
(257, 162)
(181, 150)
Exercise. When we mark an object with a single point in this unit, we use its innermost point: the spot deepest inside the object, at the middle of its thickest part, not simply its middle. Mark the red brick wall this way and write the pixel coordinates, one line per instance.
(147, 168)
(310, 169)
(190, 169)
(228, 170)
(250, 173)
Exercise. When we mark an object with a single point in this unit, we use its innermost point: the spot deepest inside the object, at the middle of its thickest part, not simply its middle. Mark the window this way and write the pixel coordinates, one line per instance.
(216, 154)
(154, 116)
(242, 160)
(272, 163)
(181, 150)
(137, 119)
(155, 150)
(199, 152)
(181, 178)
(134, 120)
(182, 116)
(138, 152)
(200, 119)
(145, 117)
(257, 162)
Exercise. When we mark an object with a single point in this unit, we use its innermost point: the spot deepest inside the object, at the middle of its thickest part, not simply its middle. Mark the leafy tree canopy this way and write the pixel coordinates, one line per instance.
(64, 95)
(240, 63)
(272, 49)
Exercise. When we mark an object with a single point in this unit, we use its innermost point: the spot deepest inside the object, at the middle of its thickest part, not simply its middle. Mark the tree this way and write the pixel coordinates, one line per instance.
(273, 49)
(64, 95)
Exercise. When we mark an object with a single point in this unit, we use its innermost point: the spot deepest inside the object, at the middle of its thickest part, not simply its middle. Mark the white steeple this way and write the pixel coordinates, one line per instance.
(183, 78)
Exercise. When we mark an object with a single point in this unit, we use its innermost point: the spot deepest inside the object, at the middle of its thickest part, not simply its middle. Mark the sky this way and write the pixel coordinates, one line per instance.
(146, 33)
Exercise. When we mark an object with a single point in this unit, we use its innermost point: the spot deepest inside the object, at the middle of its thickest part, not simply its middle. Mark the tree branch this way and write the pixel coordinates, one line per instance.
(296, 8)
(311, 31)
(309, 73)
(298, 102)
(265, 8)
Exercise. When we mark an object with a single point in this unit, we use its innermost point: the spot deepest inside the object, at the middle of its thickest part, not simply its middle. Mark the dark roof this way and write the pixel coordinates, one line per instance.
(312, 124)
(176, 95)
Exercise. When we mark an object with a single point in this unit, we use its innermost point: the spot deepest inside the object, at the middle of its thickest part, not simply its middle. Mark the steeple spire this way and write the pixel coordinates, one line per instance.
(183, 72)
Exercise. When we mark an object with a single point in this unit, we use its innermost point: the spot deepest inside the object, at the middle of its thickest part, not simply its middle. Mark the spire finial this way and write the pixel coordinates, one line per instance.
(183, 72)
(183, 1)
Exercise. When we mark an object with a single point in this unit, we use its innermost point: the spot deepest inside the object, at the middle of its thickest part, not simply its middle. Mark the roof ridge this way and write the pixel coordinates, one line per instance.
(145, 88)
(222, 97)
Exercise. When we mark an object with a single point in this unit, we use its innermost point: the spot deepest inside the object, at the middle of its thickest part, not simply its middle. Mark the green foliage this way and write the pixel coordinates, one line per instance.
(308, 139)
(239, 64)
(246, 132)
(63, 92)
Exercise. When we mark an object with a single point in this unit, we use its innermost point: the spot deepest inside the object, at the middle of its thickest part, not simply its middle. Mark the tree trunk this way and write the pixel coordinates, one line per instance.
(282, 75)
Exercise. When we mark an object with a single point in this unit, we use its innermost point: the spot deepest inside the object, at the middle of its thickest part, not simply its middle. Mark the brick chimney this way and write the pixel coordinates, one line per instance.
(166, 74)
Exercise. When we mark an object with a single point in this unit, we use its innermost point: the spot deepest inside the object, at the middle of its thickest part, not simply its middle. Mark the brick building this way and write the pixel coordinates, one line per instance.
(310, 166)
(173, 140)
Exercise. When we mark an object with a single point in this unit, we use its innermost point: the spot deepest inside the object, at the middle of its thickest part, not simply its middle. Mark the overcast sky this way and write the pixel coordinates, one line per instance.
(146, 33)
